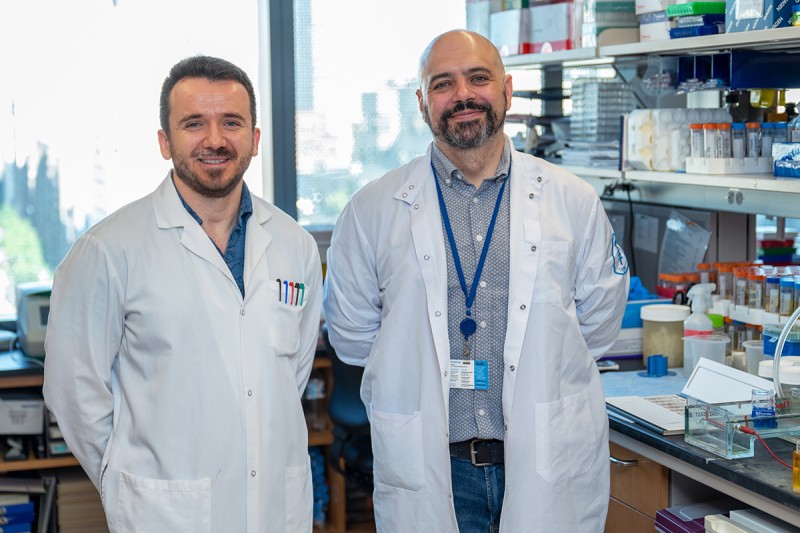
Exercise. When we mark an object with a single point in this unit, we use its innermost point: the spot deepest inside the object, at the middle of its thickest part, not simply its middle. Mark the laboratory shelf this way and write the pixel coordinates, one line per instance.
(530, 61)
(586, 172)
(760, 182)
(37, 464)
(772, 39)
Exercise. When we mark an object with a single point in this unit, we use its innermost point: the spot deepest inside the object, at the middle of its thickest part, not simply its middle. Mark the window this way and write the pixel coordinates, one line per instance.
(356, 112)
(79, 113)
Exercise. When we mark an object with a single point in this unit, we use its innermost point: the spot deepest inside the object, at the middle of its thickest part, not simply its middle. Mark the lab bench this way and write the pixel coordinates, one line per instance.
(759, 481)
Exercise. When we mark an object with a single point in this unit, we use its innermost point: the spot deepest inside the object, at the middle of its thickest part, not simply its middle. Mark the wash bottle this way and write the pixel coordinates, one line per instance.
(698, 322)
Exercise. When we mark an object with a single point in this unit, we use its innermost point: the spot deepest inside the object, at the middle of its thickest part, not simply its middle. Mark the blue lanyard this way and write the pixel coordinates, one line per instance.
(468, 325)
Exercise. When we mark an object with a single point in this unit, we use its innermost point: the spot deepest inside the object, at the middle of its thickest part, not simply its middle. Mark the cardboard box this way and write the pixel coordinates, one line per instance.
(21, 414)
(510, 32)
(655, 31)
(746, 15)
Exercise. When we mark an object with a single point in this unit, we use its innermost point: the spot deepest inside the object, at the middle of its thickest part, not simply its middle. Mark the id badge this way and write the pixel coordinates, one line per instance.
(473, 375)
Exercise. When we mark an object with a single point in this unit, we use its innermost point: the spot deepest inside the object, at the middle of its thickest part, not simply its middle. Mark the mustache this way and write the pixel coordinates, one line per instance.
(219, 152)
(463, 106)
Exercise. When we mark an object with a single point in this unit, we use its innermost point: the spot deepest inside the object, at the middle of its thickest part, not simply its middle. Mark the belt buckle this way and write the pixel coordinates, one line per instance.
(473, 453)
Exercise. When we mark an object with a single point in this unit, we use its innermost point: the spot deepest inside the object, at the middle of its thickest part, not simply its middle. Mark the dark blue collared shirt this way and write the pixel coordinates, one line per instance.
(234, 252)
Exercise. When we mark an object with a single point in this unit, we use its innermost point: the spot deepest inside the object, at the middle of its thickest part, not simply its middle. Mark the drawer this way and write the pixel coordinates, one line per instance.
(640, 483)
(624, 519)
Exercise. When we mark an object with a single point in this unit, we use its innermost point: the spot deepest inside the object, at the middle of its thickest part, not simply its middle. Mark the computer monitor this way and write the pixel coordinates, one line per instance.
(33, 309)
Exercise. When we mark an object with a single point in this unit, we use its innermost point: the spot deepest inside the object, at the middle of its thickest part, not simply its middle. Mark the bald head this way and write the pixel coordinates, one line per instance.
(461, 45)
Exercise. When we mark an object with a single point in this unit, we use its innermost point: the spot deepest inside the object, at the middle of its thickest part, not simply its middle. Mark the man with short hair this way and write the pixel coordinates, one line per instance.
(478, 285)
(182, 332)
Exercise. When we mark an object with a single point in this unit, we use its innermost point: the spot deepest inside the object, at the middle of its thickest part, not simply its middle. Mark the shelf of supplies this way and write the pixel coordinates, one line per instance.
(552, 58)
(38, 464)
(320, 438)
(587, 172)
(773, 39)
(754, 182)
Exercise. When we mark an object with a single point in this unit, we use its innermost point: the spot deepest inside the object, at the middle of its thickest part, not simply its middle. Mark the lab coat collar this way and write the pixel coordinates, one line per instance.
(170, 213)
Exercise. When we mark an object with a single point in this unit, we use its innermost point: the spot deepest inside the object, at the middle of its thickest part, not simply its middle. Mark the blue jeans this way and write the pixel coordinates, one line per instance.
(477, 496)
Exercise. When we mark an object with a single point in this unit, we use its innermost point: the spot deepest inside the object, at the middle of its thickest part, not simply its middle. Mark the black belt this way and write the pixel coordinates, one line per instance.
(481, 452)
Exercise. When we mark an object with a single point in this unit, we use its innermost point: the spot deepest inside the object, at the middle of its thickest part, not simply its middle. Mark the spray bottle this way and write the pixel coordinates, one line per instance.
(698, 322)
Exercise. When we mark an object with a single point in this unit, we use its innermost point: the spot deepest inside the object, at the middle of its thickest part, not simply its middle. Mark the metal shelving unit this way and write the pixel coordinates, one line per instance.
(751, 194)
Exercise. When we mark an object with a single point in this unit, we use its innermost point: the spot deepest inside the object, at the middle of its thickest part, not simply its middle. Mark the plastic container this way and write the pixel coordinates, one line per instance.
(662, 332)
(724, 140)
(786, 306)
(780, 133)
(755, 288)
(790, 373)
(696, 137)
(754, 351)
(711, 347)
(738, 139)
(771, 334)
(740, 285)
(767, 136)
(710, 139)
(724, 281)
(753, 139)
(772, 294)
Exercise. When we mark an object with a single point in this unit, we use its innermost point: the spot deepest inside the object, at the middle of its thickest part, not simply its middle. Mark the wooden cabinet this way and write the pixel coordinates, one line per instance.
(336, 518)
(639, 488)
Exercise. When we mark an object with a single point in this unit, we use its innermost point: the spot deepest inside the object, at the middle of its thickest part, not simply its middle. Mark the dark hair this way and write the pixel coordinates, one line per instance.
(210, 68)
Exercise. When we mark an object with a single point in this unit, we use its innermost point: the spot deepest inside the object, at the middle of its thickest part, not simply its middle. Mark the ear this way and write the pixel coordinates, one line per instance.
(163, 144)
(256, 141)
(508, 90)
(421, 105)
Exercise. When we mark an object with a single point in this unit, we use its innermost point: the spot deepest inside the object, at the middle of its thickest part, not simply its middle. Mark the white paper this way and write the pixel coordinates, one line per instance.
(713, 382)
(684, 244)
(645, 233)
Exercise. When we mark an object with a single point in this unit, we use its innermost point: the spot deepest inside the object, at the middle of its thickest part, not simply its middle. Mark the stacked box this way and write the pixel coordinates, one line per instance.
(601, 15)
(746, 15)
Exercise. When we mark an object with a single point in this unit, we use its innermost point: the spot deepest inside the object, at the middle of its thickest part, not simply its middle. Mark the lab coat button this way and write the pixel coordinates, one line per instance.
(253, 473)
(427, 258)
(530, 196)
(242, 312)
(512, 367)
(405, 194)
(416, 206)
(539, 179)
(410, 187)
(250, 393)
(533, 248)
(523, 307)
(438, 313)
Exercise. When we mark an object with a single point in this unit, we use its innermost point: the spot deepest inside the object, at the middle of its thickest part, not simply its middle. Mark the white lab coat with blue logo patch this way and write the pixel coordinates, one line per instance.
(180, 398)
(386, 306)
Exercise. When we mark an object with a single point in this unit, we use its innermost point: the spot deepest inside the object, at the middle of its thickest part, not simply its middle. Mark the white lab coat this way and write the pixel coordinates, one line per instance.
(386, 306)
(181, 399)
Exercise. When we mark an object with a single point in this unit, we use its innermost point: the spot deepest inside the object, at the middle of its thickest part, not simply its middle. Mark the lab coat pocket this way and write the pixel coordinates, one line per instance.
(283, 325)
(397, 449)
(565, 432)
(553, 272)
(163, 505)
(299, 498)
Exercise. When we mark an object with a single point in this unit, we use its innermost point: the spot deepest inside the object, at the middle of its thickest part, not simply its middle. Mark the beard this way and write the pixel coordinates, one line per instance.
(466, 135)
(216, 186)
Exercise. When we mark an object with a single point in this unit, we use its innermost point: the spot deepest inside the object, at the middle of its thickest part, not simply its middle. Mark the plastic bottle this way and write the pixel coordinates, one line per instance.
(786, 298)
(737, 139)
(698, 322)
(710, 139)
(753, 139)
(767, 135)
(794, 129)
(697, 144)
(781, 133)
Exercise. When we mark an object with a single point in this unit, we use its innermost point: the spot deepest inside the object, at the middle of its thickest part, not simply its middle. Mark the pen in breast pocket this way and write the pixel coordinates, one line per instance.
(279, 289)
(285, 292)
